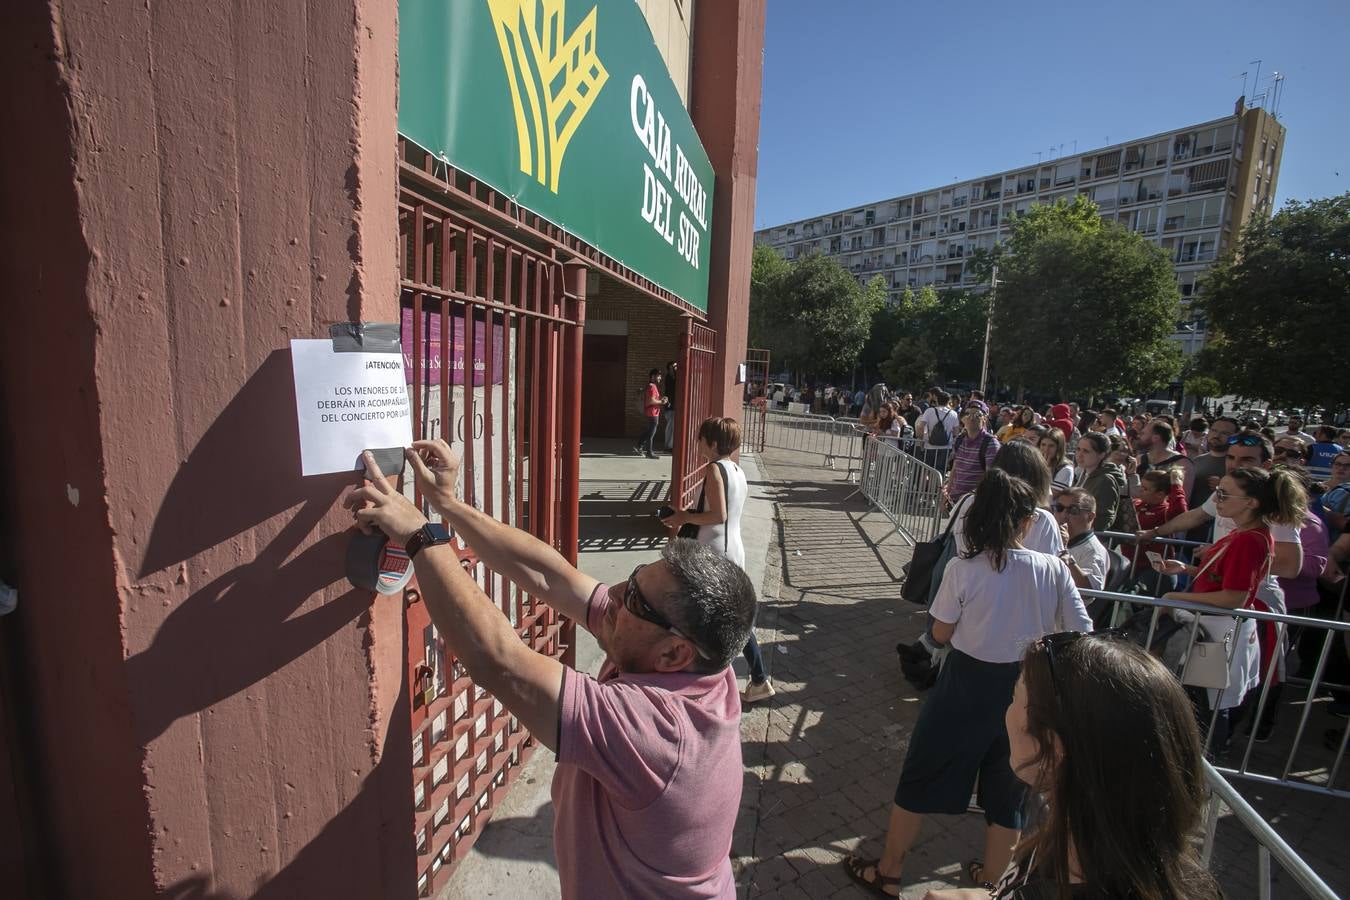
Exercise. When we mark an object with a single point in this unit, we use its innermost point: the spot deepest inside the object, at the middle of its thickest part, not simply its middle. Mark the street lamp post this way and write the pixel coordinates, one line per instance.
(988, 330)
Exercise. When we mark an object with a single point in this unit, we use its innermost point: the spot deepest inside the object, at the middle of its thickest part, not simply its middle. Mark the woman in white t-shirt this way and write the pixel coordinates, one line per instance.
(1044, 534)
(996, 599)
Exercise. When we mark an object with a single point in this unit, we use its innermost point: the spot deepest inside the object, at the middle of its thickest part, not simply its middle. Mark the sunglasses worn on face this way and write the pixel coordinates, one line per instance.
(1223, 496)
(1070, 510)
(637, 604)
(1289, 451)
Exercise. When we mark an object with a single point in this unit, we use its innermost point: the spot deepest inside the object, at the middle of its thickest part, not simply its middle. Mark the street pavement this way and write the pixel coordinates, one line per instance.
(822, 756)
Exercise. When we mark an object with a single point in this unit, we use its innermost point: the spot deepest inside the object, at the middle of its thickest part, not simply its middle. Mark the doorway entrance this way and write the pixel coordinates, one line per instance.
(604, 400)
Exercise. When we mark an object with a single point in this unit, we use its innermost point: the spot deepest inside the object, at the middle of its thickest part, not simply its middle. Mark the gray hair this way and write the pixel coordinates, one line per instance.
(714, 602)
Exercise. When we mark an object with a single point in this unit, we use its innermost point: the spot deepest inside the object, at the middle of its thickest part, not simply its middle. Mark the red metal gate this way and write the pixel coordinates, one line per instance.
(698, 348)
(492, 335)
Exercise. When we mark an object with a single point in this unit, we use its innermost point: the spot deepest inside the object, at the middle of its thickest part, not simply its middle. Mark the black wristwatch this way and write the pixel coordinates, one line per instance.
(428, 535)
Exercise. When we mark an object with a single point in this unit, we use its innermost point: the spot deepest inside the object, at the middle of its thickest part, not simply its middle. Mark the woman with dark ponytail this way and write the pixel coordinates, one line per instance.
(996, 599)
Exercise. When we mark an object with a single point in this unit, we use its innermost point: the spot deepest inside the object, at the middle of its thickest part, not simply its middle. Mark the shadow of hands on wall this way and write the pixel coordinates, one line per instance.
(241, 626)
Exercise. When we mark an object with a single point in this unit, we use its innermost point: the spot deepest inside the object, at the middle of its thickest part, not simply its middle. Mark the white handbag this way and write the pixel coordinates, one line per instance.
(1207, 663)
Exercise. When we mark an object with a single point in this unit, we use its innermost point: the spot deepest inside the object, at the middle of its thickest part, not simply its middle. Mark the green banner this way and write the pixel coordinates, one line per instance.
(568, 108)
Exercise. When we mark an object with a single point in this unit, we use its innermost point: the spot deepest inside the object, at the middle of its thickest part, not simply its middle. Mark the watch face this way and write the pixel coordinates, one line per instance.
(436, 533)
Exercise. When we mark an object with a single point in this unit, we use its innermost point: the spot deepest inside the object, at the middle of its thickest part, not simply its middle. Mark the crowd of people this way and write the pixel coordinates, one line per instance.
(1027, 709)
(1150, 476)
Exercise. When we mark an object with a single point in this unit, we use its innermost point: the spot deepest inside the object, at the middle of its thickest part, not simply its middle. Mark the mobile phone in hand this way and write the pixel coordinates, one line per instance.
(665, 511)
(1154, 557)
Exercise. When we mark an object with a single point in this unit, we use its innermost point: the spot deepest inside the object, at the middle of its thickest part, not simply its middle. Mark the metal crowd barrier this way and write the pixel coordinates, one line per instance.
(1269, 845)
(902, 488)
(833, 439)
(1307, 767)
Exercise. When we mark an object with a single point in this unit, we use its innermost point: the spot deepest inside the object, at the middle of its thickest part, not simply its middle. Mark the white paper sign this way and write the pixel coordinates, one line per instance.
(347, 402)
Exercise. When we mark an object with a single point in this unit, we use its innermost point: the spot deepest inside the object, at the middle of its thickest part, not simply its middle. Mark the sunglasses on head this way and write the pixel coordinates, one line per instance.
(1246, 440)
(1054, 644)
(636, 603)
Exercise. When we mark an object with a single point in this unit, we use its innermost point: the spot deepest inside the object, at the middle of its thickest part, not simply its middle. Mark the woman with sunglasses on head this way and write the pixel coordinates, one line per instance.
(1085, 712)
(1230, 572)
(718, 518)
(995, 599)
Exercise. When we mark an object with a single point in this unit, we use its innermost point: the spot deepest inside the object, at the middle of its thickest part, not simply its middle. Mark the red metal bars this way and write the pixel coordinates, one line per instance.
(698, 348)
(493, 329)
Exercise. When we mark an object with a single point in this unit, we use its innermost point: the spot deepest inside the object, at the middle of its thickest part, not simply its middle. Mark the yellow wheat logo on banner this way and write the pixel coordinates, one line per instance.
(558, 77)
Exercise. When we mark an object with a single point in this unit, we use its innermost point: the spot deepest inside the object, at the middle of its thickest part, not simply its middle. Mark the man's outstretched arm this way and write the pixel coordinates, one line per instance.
(527, 683)
(524, 559)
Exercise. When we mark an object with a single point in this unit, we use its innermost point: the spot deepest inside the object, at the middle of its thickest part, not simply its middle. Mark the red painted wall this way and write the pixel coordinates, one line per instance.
(728, 71)
(189, 186)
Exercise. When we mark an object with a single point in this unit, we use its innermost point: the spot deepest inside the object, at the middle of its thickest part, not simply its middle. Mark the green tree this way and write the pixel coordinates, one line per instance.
(942, 338)
(1083, 306)
(811, 314)
(1275, 303)
(889, 324)
(767, 269)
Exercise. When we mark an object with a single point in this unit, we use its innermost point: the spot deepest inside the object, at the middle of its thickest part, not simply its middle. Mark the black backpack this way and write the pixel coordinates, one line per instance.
(939, 436)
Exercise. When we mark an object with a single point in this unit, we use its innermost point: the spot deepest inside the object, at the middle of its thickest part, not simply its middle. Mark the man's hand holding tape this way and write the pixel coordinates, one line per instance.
(474, 629)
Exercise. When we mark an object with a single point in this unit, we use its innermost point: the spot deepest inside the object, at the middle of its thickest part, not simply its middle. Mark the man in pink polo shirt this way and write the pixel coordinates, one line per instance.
(649, 771)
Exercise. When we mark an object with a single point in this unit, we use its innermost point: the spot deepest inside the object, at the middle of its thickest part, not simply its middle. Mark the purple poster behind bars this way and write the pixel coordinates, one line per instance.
(430, 362)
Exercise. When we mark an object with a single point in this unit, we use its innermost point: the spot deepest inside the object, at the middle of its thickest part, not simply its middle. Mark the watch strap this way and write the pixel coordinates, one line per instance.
(429, 535)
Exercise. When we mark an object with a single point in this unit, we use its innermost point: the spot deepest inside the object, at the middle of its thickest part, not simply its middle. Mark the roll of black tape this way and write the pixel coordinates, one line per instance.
(374, 564)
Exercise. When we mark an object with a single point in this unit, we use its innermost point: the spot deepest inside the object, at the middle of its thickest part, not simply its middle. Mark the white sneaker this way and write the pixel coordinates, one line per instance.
(761, 691)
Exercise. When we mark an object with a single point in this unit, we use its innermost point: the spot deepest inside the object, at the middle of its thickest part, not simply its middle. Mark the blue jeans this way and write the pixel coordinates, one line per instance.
(648, 439)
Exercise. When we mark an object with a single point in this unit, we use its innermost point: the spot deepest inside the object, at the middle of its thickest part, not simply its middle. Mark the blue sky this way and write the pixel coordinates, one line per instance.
(866, 99)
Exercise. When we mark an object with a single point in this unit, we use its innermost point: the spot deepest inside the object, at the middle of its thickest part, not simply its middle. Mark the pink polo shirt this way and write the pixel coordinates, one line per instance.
(648, 782)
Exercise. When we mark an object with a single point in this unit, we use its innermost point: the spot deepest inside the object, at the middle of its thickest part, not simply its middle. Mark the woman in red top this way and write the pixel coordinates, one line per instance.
(652, 404)
(1230, 570)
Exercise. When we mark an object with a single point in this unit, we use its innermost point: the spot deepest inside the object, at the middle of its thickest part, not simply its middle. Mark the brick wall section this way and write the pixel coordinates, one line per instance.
(654, 331)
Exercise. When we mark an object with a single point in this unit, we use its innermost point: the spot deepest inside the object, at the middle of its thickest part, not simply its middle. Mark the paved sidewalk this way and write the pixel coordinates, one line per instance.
(822, 757)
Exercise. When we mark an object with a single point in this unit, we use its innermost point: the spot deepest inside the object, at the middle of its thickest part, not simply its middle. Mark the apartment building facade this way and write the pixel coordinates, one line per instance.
(1189, 190)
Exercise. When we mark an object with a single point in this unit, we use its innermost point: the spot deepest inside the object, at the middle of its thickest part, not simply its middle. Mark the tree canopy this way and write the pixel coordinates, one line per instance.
(1275, 303)
(811, 314)
(1083, 306)
(941, 338)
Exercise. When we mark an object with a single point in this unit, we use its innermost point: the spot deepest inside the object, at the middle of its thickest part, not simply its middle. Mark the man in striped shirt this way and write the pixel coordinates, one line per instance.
(972, 453)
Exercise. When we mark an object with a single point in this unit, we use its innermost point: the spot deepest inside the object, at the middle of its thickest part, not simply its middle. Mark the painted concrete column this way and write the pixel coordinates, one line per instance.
(724, 103)
(217, 711)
